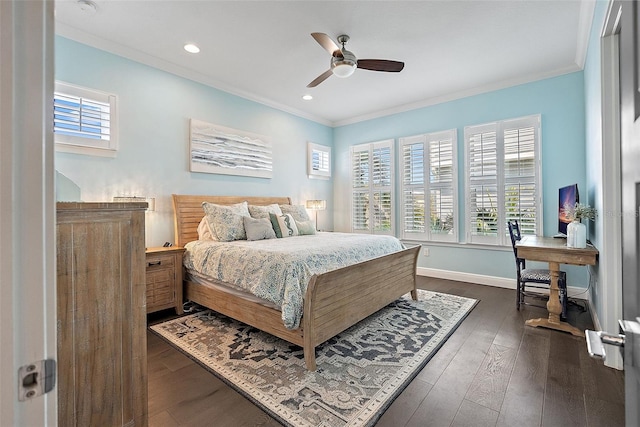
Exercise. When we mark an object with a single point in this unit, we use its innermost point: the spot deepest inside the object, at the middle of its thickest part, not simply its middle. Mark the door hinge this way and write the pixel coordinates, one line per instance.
(36, 379)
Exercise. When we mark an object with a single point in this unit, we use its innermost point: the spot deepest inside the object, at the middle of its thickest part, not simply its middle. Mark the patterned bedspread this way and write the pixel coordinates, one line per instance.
(278, 270)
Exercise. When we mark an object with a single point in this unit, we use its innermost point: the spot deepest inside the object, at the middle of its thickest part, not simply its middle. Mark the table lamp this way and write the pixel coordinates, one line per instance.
(316, 205)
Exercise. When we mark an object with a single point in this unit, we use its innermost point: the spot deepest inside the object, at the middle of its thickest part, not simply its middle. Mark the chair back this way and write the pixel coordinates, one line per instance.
(514, 232)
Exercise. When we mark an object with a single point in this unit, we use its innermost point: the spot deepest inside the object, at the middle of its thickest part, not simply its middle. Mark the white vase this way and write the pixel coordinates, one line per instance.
(576, 235)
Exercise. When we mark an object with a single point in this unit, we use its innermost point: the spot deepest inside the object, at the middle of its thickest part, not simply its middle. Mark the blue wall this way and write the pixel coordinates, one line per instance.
(559, 100)
(154, 108)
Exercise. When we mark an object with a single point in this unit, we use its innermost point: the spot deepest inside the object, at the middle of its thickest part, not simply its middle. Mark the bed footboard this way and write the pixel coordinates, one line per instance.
(341, 298)
(334, 301)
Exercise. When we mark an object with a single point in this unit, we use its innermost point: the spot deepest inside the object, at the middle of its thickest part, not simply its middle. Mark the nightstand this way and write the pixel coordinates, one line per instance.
(164, 278)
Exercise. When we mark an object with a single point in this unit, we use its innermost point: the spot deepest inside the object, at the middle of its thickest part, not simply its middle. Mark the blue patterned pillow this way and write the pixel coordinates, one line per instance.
(264, 211)
(225, 221)
(298, 212)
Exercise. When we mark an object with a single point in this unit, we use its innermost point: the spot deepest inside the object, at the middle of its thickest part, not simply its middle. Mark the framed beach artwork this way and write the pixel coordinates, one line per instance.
(222, 150)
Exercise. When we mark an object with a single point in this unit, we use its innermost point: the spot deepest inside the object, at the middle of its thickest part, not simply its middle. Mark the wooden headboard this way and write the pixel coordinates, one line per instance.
(187, 211)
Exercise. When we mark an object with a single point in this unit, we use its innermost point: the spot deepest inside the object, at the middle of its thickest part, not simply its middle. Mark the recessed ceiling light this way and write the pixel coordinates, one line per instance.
(87, 6)
(307, 97)
(191, 48)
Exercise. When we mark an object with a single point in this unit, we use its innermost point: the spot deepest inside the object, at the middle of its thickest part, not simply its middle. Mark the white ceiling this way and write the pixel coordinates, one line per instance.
(262, 50)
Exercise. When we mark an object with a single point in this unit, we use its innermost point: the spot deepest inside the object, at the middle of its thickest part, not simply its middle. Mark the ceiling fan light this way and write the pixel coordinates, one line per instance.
(343, 69)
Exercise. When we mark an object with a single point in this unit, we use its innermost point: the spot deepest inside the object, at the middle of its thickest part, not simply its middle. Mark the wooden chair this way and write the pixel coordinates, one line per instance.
(534, 278)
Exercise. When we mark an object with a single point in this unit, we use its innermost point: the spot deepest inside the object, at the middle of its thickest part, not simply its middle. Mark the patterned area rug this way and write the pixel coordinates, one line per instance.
(359, 372)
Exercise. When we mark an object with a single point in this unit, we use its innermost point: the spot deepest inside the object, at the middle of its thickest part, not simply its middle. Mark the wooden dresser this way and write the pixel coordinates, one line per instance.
(101, 319)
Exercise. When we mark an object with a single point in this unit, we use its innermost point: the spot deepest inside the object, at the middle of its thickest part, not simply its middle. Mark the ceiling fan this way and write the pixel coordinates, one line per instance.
(344, 63)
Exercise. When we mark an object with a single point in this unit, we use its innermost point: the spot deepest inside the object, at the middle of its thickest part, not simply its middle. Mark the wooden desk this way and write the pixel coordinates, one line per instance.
(555, 252)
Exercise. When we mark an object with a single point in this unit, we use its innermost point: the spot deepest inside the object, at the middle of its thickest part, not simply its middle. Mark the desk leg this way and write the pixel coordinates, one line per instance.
(554, 307)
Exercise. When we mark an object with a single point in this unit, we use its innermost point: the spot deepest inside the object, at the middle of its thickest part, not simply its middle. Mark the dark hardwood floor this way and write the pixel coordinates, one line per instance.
(493, 371)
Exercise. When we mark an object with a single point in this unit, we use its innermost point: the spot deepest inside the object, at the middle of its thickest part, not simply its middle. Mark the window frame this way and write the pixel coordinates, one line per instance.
(427, 186)
(371, 189)
(322, 150)
(102, 147)
(500, 127)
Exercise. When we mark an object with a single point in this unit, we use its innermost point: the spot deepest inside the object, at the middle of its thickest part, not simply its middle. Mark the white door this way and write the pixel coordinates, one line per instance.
(630, 161)
(27, 210)
(629, 36)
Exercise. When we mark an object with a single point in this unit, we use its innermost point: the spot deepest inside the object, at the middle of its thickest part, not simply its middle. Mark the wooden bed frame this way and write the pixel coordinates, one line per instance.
(334, 301)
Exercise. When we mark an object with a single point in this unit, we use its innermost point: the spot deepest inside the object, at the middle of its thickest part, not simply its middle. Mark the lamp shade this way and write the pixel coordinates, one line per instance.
(316, 205)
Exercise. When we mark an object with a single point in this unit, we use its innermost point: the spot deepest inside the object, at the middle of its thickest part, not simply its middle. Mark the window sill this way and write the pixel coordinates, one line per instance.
(459, 245)
(87, 151)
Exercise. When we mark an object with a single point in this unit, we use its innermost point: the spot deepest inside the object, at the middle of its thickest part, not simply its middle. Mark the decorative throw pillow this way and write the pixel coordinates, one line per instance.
(283, 225)
(204, 232)
(298, 212)
(225, 221)
(264, 211)
(306, 227)
(258, 228)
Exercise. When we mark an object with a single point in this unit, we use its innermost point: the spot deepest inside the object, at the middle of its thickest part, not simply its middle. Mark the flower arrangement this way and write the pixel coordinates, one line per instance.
(579, 212)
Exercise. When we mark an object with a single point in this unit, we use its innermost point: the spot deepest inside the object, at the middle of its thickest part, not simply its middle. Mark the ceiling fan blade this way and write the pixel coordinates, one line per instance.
(322, 77)
(327, 43)
(381, 65)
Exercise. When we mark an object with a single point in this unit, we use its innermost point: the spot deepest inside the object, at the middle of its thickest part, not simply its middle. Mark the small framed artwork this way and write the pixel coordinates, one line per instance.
(221, 150)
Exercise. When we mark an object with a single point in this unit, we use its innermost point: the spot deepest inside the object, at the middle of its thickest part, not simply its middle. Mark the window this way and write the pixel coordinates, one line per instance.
(372, 201)
(84, 120)
(503, 179)
(319, 161)
(429, 186)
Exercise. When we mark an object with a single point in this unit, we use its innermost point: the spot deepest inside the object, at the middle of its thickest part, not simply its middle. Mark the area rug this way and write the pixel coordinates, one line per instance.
(359, 372)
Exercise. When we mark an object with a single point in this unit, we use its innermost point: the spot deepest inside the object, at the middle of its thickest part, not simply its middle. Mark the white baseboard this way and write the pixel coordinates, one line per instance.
(480, 279)
(594, 316)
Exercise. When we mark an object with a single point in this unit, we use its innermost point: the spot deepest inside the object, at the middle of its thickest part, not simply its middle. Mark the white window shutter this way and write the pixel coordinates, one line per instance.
(521, 178)
(84, 120)
(372, 174)
(429, 186)
(482, 183)
(503, 179)
(443, 178)
(413, 206)
(319, 161)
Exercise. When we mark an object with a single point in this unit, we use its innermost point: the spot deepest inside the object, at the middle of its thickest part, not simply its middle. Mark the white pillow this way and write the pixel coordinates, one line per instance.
(258, 228)
(204, 232)
(306, 227)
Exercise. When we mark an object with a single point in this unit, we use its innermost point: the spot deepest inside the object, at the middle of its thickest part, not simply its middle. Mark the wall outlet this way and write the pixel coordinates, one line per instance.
(425, 251)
